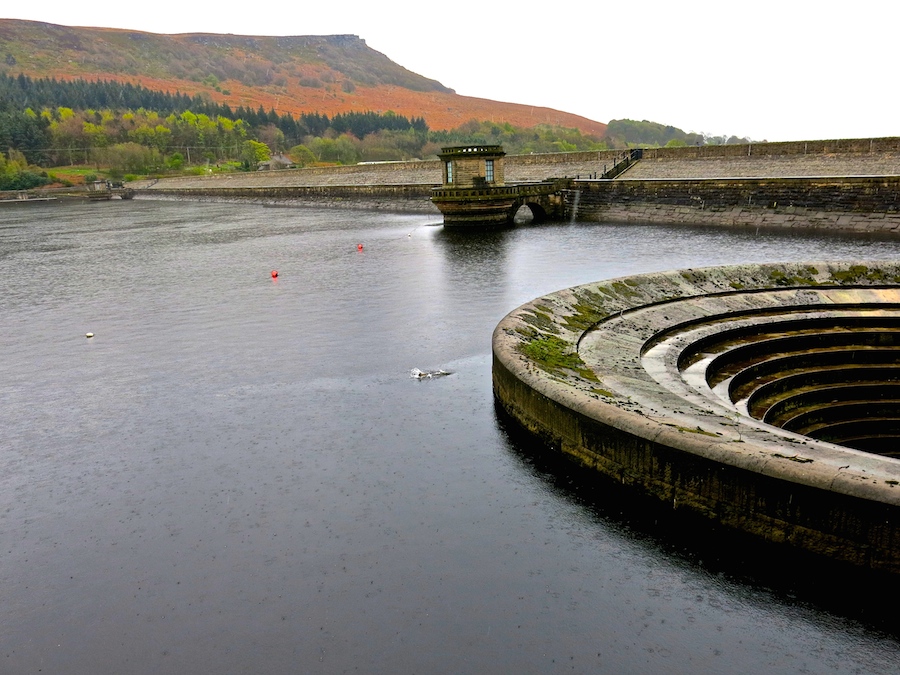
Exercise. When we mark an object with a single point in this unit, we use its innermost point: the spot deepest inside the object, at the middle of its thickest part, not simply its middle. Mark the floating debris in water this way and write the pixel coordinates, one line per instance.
(427, 374)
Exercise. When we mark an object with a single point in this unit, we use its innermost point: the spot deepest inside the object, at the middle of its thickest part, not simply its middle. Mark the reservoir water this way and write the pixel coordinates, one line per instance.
(238, 475)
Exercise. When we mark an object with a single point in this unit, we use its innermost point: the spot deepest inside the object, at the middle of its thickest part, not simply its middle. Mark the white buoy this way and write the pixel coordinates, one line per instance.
(88, 335)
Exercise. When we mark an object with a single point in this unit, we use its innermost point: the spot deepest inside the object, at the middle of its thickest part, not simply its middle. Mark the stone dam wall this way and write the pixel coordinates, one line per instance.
(844, 184)
(402, 198)
(519, 168)
(867, 203)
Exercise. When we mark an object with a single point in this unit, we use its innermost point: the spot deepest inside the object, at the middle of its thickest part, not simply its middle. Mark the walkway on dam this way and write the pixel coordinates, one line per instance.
(534, 168)
(531, 169)
(768, 166)
(399, 173)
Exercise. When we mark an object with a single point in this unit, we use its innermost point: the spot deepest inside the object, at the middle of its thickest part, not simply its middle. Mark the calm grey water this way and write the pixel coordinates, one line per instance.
(238, 475)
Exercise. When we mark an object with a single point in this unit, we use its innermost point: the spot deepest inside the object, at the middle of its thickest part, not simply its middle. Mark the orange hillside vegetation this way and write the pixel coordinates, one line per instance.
(311, 74)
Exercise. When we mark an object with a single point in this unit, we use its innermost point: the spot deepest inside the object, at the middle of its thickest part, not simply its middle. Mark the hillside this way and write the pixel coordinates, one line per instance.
(325, 74)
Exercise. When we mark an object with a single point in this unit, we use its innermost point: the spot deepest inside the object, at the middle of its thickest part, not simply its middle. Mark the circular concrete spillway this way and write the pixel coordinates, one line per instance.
(763, 397)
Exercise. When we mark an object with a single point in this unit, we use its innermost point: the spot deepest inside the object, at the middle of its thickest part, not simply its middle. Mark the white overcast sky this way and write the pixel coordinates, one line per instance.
(768, 70)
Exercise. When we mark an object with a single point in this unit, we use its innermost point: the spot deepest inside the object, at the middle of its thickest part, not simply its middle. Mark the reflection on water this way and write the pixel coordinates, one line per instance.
(240, 475)
(762, 569)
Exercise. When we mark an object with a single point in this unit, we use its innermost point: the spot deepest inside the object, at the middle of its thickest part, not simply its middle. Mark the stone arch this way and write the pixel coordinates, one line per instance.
(530, 211)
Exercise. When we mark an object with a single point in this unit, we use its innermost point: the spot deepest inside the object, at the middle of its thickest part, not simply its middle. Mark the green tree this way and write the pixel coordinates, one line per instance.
(15, 174)
(17, 162)
(341, 150)
(254, 152)
(301, 155)
(95, 135)
(129, 158)
(176, 161)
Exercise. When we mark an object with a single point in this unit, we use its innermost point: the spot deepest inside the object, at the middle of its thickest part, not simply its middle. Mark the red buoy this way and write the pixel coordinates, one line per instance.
(274, 274)
(359, 247)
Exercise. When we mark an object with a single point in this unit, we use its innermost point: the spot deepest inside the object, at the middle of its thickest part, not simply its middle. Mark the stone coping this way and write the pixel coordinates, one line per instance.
(639, 392)
(589, 366)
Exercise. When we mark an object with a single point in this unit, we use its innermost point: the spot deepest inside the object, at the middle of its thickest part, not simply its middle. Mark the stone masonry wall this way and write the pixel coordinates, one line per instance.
(467, 169)
(845, 184)
(401, 198)
(838, 146)
(869, 203)
(802, 158)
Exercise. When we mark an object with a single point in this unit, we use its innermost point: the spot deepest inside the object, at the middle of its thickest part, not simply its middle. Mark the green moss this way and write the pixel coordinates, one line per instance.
(693, 277)
(623, 289)
(540, 320)
(802, 278)
(860, 273)
(603, 392)
(588, 311)
(850, 275)
(554, 355)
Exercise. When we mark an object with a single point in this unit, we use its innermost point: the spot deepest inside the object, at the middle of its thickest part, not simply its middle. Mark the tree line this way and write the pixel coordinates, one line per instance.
(15, 174)
(21, 92)
(632, 133)
(134, 130)
(54, 121)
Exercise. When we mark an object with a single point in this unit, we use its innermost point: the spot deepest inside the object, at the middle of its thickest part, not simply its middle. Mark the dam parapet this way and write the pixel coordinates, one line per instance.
(840, 184)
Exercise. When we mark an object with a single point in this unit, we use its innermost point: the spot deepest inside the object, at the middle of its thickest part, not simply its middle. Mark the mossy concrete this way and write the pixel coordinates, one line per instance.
(609, 397)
